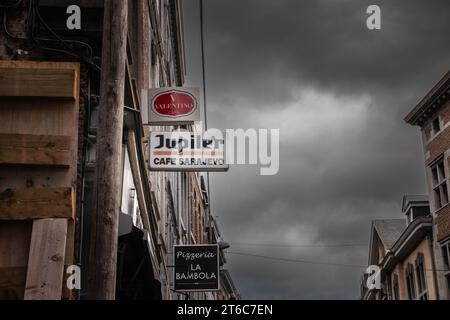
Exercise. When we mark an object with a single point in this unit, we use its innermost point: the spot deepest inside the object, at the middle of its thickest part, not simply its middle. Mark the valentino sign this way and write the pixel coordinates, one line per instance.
(196, 267)
(170, 106)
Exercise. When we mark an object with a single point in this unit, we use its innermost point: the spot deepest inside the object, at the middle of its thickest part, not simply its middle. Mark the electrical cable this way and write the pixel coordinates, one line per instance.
(311, 261)
(205, 113)
(58, 38)
(90, 50)
(35, 13)
(14, 5)
(299, 245)
(294, 260)
(202, 41)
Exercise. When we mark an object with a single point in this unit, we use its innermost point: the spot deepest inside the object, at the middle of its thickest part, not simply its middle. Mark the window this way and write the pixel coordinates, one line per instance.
(395, 288)
(421, 280)
(446, 257)
(409, 272)
(436, 126)
(439, 181)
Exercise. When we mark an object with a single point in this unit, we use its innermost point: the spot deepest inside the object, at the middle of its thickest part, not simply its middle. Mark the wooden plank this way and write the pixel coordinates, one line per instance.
(40, 117)
(67, 294)
(15, 239)
(12, 283)
(59, 117)
(37, 203)
(47, 116)
(46, 260)
(13, 277)
(27, 149)
(36, 82)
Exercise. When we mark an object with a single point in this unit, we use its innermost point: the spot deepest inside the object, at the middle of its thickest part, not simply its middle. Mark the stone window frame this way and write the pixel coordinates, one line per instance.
(446, 257)
(439, 184)
(395, 288)
(422, 287)
(410, 281)
(435, 132)
(446, 254)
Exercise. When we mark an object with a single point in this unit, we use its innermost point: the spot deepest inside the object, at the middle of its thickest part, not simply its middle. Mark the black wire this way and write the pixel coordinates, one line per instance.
(14, 5)
(205, 114)
(35, 13)
(310, 261)
(295, 260)
(71, 41)
(202, 41)
(299, 245)
(58, 38)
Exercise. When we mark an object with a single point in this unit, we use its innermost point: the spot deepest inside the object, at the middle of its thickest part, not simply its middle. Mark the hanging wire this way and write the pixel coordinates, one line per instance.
(202, 41)
(302, 261)
(12, 5)
(294, 245)
(295, 260)
(34, 14)
(205, 113)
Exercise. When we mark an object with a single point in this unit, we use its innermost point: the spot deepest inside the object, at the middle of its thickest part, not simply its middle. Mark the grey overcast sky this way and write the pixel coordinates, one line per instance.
(338, 92)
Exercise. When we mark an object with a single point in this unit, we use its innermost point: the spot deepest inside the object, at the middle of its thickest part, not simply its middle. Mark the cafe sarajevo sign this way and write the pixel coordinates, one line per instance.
(171, 106)
(186, 151)
(196, 267)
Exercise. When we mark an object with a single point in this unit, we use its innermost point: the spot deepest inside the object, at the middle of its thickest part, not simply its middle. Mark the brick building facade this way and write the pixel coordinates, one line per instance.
(432, 115)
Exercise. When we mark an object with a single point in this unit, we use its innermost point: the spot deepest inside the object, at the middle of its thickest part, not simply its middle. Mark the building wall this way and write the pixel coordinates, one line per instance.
(186, 194)
(198, 213)
(399, 270)
(434, 147)
(381, 251)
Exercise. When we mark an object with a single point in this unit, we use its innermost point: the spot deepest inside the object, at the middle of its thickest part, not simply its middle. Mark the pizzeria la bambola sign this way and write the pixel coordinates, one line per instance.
(196, 267)
(171, 106)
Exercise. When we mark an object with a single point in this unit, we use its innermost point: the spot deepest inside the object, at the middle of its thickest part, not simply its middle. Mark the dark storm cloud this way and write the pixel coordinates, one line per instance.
(338, 92)
(268, 44)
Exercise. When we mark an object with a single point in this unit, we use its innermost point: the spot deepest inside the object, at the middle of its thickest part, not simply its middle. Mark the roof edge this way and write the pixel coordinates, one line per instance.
(440, 89)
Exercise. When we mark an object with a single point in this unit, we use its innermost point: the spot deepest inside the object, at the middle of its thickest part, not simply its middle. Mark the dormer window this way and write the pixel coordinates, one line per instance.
(415, 206)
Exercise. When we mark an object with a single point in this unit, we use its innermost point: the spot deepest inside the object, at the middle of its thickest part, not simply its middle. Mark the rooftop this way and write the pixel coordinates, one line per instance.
(437, 96)
(415, 200)
(389, 230)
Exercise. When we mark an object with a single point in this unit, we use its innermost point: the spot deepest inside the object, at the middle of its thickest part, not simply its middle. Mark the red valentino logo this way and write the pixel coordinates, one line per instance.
(174, 104)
